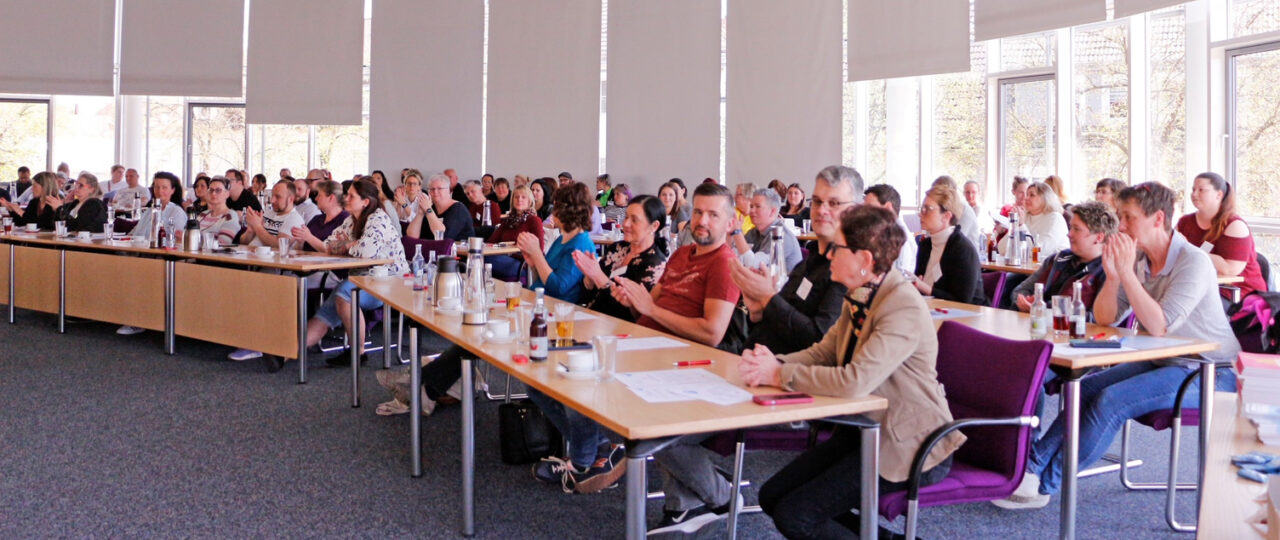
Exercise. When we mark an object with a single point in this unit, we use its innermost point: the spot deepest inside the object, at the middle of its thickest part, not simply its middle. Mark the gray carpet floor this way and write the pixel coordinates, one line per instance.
(105, 436)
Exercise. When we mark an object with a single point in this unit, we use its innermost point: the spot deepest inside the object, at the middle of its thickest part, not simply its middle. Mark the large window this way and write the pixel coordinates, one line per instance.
(274, 147)
(1029, 51)
(164, 138)
(1101, 80)
(217, 138)
(24, 136)
(84, 133)
(1167, 113)
(893, 137)
(1027, 128)
(1253, 16)
(1254, 122)
(960, 120)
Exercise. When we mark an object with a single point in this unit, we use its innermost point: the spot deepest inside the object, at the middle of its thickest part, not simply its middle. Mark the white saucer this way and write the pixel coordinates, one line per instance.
(447, 311)
(488, 338)
(579, 375)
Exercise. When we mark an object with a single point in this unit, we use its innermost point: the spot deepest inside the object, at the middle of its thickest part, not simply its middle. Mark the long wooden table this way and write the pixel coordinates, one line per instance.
(1030, 268)
(647, 427)
(1228, 501)
(202, 295)
(1016, 325)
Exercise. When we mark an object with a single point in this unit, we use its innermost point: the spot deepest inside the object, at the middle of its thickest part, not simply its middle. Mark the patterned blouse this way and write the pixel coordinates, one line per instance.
(645, 269)
(381, 240)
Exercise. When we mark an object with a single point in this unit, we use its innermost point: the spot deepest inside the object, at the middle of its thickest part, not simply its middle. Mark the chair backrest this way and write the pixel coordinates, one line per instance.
(993, 286)
(1264, 266)
(440, 247)
(990, 377)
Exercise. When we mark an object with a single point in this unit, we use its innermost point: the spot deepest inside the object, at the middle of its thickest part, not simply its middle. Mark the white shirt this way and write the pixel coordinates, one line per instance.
(969, 225)
(986, 223)
(933, 270)
(122, 201)
(275, 223)
(1049, 231)
(114, 186)
(172, 217)
(907, 256)
(307, 210)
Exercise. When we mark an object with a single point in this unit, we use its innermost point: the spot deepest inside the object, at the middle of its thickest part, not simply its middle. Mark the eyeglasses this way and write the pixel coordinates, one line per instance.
(837, 247)
(834, 205)
(926, 209)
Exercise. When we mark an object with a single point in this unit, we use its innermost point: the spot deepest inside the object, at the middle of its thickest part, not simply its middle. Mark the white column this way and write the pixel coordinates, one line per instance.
(1065, 119)
(1139, 101)
(1200, 136)
(902, 128)
(133, 133)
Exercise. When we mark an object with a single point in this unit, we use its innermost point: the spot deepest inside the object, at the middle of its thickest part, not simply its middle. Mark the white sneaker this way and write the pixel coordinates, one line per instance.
(1026, 497)
(127, 330)
(240, 355)
(455, 391)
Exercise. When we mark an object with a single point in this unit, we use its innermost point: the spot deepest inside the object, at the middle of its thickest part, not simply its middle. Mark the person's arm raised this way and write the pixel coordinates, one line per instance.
(708, 329)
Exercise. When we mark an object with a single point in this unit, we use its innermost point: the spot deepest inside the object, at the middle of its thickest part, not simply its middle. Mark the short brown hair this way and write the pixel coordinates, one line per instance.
(572, 206)
(876, 230)
(948, 200)
(1098, 217)
(1152, 197)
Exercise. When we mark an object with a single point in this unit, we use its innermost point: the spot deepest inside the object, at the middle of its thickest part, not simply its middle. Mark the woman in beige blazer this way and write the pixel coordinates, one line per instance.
(883, 344)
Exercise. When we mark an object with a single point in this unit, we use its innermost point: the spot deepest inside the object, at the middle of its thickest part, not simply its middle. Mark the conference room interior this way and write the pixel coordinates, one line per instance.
(107, 434)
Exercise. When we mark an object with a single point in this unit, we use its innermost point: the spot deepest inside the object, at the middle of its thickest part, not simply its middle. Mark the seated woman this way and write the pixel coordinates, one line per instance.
(947, 264)
(502, 196)
(521, 219)
(795, 207)
(1044, 220)
(87, 212)
(1171, 287)
(199, 201)
(876, 347)
(1215, 222)
(217, 218)
(677, 214)
(38, 210)
(1106, 189)
(370, 233)
(543, 190)
(640, 257)
(596, 463)
(620, 197)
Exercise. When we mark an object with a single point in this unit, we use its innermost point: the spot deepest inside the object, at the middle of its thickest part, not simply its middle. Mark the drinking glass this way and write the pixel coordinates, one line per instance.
(606, 350)
(808, 226)
(439, 235)
(284, 247)
(8, 225)
(1061, 315)
(210, 242)
(60, 228)
(108, 230)
(564, 322)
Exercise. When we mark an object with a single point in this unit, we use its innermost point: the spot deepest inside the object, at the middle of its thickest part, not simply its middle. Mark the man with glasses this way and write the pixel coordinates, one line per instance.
(809, 303)
(441, 213)
(885, 196)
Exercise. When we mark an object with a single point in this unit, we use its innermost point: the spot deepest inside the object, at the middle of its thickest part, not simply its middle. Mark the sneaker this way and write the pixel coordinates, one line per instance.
(686, 522)
(390, 378)
(455, 391)
(397, 407)
(240, 355)
(127, 330)
(553, 470)
(1026, 497)
(603, 474)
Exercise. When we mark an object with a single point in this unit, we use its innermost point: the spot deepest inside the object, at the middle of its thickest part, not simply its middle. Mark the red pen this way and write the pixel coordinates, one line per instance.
(1099, 335)
(940, 310)
(688, 363)
(622, 336)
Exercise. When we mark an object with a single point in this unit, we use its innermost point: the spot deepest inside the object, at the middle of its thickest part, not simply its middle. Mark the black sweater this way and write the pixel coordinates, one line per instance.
(791, 322)
(91, 217)
(961, 278)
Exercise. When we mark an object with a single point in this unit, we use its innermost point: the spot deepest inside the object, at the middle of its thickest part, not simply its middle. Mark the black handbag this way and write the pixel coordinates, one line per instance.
(525, 434)
(735, 336)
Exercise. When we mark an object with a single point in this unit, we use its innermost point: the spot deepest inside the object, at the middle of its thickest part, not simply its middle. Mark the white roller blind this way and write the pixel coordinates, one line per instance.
(544, 88)
(58, 46)
(425, 93)
(1126, 8)
(885, 38)
(663, 92)
(182, 48)
(305, 62)
(783, 90)
(1002, 18)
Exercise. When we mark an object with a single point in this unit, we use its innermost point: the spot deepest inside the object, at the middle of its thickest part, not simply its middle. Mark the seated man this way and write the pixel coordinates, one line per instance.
(1092, 223)
(810, 301)
(241, 197)
(1172, 288)
(132, 196)
(303, 203)
(885, 196)
(765, 214)
(265, 229)
(441, 213)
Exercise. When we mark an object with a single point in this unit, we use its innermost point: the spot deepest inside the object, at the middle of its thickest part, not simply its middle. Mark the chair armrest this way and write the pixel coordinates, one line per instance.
(917, 462)
(1233, 290)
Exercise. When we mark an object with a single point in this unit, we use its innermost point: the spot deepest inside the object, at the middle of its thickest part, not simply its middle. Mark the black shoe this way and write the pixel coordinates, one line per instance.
(343, 359)
(274, 363)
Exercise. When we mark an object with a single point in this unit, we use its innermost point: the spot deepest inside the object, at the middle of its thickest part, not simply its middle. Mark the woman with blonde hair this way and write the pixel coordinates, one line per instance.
(1043, 220)
(38, 210)
(87, 212)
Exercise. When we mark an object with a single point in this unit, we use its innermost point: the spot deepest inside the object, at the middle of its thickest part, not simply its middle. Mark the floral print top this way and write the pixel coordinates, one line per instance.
(645, 269)
(381, 240)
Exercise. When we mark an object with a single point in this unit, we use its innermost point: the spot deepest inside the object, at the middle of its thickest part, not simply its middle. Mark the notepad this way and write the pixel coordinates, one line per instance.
(952, 313)
(669, 385)
(646, 343)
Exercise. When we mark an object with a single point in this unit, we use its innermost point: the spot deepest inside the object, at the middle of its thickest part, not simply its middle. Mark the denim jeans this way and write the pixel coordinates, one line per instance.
(328, 311)
(1107, 400)
(584, 434)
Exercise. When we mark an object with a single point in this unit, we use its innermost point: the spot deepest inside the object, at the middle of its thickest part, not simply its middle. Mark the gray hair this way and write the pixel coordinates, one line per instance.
(770, 196)
(438, 177)
(1051, 201)
(470, 183)
(747, 187)
(974, 182)
(836, 175)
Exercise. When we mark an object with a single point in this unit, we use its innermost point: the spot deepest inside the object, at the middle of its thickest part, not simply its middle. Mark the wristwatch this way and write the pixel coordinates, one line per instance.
(735, 231)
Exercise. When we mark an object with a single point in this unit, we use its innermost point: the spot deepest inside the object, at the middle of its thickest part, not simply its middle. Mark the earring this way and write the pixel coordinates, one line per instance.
(863, 272)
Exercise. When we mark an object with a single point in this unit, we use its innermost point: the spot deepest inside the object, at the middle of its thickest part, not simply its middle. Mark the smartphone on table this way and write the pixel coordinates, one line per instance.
(782, 399)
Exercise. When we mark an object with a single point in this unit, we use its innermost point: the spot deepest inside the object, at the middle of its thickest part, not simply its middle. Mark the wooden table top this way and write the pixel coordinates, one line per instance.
(503, 248)
(1028, 269)
(601, 240)
(810, 237)
(610, 403)
(1228, 502)
(304, 262)
(1016, 325)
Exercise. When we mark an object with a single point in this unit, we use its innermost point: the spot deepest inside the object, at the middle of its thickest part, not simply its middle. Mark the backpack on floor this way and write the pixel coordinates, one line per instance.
(525, 434)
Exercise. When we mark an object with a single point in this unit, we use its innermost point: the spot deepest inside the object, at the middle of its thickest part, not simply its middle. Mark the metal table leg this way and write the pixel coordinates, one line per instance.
(1208, 378)
(415, 405)
(12, 278)
(870, 508)
(355, 344)
(170, 312)
(636, 496)
(62, 291)
(1070, 457)
(386, 335)
(468, 447)
(302, 329)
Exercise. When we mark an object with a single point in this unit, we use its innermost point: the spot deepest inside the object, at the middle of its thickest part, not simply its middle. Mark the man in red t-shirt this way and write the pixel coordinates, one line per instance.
(696, 295)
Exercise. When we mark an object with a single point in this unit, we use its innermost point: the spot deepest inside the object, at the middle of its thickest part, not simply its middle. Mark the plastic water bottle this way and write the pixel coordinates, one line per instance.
(488, 219)
(419, 269)
(778, 259)
(1039, 314)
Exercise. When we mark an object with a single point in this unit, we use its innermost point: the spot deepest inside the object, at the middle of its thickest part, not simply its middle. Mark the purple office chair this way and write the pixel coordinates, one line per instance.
(992, 385)
(993, 285)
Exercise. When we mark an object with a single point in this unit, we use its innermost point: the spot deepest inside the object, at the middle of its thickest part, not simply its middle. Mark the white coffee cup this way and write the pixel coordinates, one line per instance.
(499, 328)
(83, 235)
(262, 251)
(581, 360)
(378, 271)
(451, 304)
(32, 227)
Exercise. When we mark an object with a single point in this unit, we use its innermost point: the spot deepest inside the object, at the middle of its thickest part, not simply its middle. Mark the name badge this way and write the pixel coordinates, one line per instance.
(1206, 247)
(803, 290)
(618, 272)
